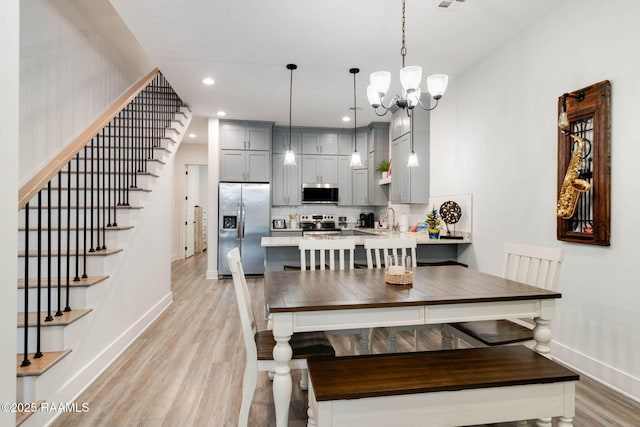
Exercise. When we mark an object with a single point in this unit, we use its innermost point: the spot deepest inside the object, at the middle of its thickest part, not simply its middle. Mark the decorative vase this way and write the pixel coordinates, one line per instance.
(434, 234)
(385, 175)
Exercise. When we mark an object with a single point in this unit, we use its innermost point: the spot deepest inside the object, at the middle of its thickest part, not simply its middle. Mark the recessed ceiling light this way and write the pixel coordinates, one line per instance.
(346, 119)
(221, 114)
(208, 81)
(192, 135)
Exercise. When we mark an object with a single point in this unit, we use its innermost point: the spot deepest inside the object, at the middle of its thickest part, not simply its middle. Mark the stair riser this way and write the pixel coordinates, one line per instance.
(136, 198)
(112, 240)
(77, 299)
(51, 339)
(123, 136)
(96, 266)
(109, 165)
(117, 180)
(32, 389)
(122, 217)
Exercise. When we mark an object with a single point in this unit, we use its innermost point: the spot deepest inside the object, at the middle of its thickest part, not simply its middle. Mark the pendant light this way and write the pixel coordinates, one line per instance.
(289, 156)
(412, 162)
(355, 157)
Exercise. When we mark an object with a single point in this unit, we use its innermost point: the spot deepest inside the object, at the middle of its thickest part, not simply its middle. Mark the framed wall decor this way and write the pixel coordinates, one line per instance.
(584, 165)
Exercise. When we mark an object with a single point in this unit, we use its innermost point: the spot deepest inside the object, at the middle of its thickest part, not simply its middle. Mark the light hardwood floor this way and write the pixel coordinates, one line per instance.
(186, 369)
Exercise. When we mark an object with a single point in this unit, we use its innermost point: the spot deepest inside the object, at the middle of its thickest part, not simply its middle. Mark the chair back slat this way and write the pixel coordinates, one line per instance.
(327, 249)
(247, 319)
(381, 248)
(534, 265)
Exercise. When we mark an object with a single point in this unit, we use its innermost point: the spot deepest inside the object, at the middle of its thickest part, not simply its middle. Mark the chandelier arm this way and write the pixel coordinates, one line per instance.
(430, 108)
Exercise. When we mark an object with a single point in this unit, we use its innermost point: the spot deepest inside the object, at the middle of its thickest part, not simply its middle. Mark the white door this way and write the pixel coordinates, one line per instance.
(191, 200)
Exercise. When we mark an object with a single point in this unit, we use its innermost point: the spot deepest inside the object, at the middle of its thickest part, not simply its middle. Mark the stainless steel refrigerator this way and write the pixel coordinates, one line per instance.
(243, 211)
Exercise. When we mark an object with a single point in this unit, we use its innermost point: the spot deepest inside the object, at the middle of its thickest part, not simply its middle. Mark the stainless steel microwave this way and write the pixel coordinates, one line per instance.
(319, 193)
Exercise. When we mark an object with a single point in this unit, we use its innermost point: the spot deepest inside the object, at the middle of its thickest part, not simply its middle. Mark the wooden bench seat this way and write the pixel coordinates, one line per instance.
(440, 388)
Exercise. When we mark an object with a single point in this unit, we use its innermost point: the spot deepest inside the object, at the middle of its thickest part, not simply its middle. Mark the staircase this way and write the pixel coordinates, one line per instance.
(80, 220)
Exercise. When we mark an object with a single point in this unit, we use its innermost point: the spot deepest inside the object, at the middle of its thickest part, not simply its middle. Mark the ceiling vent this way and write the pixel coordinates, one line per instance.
(444, 4)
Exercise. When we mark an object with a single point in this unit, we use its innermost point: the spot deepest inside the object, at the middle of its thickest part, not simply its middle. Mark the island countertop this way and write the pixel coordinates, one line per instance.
(422, 238)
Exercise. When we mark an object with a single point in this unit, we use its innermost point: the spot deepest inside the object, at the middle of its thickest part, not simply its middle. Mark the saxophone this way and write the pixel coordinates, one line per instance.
(572, 186)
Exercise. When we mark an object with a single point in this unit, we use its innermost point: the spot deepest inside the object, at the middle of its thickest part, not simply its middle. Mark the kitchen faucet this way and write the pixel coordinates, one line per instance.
(392, 222)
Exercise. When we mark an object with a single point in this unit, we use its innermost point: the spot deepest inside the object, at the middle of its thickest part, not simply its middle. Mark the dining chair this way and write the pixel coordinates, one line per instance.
(326, 251)
(259, 344)
(534, 265)
(377, 251)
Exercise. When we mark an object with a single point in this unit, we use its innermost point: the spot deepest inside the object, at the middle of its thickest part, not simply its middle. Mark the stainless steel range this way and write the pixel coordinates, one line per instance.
(319, 225)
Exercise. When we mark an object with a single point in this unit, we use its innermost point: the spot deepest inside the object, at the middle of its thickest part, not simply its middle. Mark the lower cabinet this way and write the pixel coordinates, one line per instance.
(286, 182)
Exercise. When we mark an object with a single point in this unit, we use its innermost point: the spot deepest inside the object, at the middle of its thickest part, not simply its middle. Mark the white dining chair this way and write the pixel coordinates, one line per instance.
(534, 265)
(259, 344)
(377, 251)
(327, 252)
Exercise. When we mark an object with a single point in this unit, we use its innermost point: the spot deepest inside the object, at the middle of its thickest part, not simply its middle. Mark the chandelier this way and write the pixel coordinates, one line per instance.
(410, 78)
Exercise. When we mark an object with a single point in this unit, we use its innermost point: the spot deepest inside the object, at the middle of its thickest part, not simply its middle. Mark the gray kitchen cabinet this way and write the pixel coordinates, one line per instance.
(244, 151)
(286, 181)
(345, 180)
(319, 169)
(237, 135)
(320, 142)
(244, 166)
(411, 185)
(400, 123)
(360, 187)
(345, 144)
(281, 140)
(378, 150)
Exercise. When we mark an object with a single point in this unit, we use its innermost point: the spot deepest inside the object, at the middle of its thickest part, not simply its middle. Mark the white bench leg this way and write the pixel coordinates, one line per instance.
(543, 422)
(311, 422)
(565, 422)
(304, 379)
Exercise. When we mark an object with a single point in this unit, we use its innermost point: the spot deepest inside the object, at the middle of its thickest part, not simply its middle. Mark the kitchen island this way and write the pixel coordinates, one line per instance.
(283, 250)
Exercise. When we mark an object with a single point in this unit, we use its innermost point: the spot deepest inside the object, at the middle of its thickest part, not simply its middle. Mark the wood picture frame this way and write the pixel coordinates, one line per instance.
(589, 114)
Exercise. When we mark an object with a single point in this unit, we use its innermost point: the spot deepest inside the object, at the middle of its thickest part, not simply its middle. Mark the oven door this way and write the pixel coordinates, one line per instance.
(319, 193)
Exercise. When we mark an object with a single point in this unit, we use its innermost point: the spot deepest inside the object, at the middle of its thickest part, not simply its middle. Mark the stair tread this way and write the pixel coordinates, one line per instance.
(40, 365)
(21, 417)
(82, 207)
(120, 158)
(116, 228)
(82, 283)
(101, 252)
(66, 318)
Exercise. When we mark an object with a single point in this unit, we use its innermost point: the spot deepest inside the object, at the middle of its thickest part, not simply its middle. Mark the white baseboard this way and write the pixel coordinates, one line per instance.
(212, 275)
(77, 384)
(608, 375)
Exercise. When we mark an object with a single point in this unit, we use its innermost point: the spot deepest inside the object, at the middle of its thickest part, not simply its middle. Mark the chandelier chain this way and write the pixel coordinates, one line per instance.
(403, 50)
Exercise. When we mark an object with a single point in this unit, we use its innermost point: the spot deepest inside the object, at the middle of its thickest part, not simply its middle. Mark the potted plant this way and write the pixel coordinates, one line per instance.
(383, 167)
(433, 222)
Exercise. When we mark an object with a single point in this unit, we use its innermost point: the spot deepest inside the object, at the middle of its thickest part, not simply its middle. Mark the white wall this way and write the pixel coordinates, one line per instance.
(494, 135)
(75, 60)
(8, 196)
(214, 173)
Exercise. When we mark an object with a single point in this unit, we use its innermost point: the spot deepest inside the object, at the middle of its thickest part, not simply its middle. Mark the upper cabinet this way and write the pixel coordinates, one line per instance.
(319, 169)
(410, 185)
(236, 135)
(378, 150)
(281, 140)
(400, 123)
(287, 181)
(319, 142)
(245, 151)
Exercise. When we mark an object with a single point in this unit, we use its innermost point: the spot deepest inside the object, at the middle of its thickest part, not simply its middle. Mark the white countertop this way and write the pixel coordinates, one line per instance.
(422, 238)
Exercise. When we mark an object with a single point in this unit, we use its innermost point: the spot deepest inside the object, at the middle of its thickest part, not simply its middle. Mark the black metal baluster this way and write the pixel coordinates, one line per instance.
(67, 308)
(77, 254)
(91, 248)
(25, 357)
(97, 207)
(105, 206)
(49, 317)
(38, 353)
(59, 311)
(111, 157)
(84, 222)
(128, 156)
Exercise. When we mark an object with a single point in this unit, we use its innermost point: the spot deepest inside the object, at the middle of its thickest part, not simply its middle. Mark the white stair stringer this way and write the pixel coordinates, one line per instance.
(136, 292)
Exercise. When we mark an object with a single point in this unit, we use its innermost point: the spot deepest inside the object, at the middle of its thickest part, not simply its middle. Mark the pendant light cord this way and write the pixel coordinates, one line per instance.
(290, 102)
(403, 50)
(355, 114)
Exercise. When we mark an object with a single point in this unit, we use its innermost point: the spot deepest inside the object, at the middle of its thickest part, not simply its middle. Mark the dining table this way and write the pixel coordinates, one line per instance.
(324, 300)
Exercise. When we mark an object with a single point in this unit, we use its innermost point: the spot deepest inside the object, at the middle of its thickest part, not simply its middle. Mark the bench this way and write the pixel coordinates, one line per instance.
(440, 388)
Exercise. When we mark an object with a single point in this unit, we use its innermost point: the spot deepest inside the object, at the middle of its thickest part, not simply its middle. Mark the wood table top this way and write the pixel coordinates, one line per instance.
(295, 291)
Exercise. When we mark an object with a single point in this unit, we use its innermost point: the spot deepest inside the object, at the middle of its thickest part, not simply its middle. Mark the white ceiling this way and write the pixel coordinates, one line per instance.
(245, 45)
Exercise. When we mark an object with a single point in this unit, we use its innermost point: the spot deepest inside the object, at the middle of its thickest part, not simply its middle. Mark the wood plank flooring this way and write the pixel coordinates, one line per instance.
(186, 369)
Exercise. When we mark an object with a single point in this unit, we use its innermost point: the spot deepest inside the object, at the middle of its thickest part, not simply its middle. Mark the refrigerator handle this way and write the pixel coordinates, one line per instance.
(239, 221)
(242, 220)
